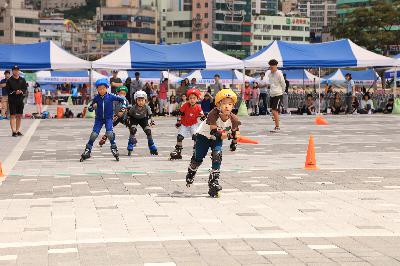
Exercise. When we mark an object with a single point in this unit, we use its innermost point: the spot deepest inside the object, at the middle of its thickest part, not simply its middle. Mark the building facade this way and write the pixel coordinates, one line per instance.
(122, 20)
(18, 24)
(264, 7)
(202, 20)
(232, 27)
(345, 7)
(322, 14)
(267, 29)
(289, 6)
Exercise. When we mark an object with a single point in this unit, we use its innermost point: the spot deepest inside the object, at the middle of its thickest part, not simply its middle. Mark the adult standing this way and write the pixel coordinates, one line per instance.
(277, 87)
(115, 81)
(127, 84)
(286, 95)
(217, 86)
(162, 94)
(193, 83)
(263, 85)
(4, 93)
(350, 92)
(17, 87)
(136, 85)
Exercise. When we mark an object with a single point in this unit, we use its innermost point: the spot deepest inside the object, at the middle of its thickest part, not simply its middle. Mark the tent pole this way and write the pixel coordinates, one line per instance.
(233, 73)
(395, 82)
(91, 84)
(319, 90)
(167, 82)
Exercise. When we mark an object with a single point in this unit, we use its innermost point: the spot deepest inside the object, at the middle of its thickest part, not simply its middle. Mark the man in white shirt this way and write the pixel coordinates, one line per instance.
(350, 92)
(277, 87)
(263, 85)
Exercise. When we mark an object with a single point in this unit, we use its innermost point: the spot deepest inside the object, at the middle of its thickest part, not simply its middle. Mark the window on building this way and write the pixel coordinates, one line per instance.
(1, 32)
(297, 39)
(206, 36)
(169, 34)
(284, 27)
(164, 28)
(198, 5)
(286, 38)
(205, 15)
(175, 35)
(26, 20)
(276, 27)
(257, 37)
(206, 5)
(28, 34)
(197, 36)
(255, 47)
(266, 37)
(169, 24)
(276, 38)
(180, 34)
(188, 35)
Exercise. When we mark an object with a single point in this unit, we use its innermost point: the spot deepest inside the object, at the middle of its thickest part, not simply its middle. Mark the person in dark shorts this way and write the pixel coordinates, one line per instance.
(17, 88)
(277, 87)
(115, 81)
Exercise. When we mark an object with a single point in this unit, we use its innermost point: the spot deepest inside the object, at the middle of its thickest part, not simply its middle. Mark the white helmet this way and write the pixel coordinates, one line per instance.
(140, 94)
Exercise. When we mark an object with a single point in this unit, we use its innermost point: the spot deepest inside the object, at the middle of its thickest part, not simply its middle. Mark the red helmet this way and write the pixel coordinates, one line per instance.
(193, 91)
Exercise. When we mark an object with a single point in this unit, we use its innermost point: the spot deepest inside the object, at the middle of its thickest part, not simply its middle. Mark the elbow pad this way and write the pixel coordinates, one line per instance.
(216, 133)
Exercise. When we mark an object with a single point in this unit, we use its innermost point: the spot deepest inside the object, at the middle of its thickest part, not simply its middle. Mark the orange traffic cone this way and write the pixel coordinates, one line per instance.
(311, 163)
(320, 120)
(60, 112)
(243, 139)
(1, 171)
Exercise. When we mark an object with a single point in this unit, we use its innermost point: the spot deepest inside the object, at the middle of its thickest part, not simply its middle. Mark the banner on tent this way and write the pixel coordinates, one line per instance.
(64, 79)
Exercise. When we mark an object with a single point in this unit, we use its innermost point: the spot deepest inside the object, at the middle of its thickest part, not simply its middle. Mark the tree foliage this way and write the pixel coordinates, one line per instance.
(82, 12)
(373, 27)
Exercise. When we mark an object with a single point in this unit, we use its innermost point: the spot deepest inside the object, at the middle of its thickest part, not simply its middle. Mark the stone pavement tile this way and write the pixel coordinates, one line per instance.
(364, 263)
(286, 261)
(253, 258)
(382, 261)
(262, 244)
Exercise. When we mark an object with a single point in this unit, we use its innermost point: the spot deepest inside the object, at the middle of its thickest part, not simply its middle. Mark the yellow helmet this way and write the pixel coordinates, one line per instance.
(225, 93)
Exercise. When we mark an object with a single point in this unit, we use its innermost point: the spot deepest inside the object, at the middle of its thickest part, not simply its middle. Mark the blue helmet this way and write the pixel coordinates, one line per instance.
(100, 82)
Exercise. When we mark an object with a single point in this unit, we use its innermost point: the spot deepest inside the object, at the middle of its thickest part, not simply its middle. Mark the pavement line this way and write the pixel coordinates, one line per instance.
(16, 153)
(188, 238)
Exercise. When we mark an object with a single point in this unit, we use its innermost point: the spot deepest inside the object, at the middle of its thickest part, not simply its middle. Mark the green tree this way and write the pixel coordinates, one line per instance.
(373, 27)
(82, 12)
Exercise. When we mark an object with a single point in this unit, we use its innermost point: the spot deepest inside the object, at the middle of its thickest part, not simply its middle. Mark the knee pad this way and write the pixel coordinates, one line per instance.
(216, 156)
(180, 138)
(194, 137)
(194, 165)
(147, 131)
(93, 136)
(110, 135)
(133, 130)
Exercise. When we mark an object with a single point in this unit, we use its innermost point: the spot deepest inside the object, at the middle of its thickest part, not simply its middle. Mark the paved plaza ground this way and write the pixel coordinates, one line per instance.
(55, 210)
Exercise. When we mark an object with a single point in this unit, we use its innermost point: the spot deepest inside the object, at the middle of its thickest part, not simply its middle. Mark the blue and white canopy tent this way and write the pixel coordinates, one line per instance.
(149, 76)
(341, 53)
(39, 56)
(227, 76)
(192, 55)
(362, 77)
(389, 74)
(59, 77)
(301, 76)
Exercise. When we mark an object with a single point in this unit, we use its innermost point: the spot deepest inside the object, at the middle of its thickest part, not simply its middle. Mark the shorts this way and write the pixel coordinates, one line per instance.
(188, 131)
(16, 107)
(275, 102)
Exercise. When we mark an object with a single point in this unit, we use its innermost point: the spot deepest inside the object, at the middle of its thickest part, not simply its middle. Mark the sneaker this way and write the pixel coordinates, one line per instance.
(14, 134)
(19, 134)
(276, 130)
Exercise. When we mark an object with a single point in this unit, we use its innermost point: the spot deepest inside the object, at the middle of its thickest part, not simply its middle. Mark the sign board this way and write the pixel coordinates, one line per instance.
(113, 36)
(297, 21)
(114, 23)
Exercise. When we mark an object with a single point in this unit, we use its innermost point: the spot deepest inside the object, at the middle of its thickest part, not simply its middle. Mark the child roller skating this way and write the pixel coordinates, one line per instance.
(140, 114)
(103, 104)
(119, 111)
(221, 124)
(187, 121)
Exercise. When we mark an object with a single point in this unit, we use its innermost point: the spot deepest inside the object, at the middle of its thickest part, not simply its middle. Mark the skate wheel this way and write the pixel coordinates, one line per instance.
(81, 160)
(117, 159)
